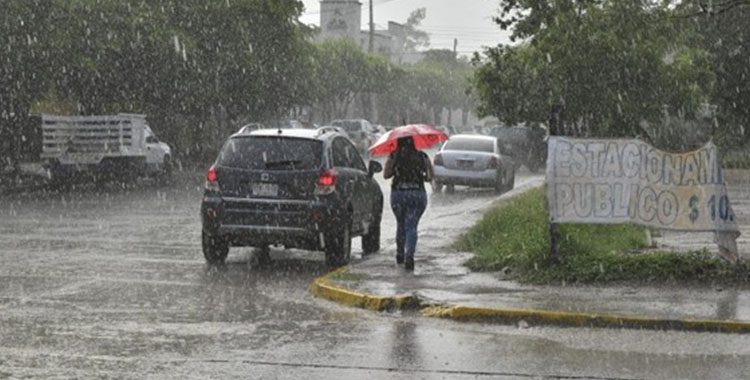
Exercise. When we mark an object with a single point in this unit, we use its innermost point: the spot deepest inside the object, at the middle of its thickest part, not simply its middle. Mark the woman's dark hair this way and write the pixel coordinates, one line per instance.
(406, 144)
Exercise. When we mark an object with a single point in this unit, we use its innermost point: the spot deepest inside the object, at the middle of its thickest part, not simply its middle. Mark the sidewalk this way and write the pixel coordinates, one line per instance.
(442, 286)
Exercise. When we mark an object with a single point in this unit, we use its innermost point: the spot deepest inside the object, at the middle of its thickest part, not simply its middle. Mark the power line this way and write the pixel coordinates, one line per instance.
(319, 11)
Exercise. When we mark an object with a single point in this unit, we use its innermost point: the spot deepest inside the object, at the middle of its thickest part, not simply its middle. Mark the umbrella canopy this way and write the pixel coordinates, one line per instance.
(424, 137)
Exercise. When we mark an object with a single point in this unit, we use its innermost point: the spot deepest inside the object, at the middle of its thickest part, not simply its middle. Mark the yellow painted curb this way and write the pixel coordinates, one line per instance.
(561, 318)
(324, 288)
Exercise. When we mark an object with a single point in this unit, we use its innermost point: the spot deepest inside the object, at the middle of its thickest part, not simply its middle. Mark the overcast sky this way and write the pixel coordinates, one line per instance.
(468, 20)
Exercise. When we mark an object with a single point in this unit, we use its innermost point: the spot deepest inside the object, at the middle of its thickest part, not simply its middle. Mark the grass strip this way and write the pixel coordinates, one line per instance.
(515, 236)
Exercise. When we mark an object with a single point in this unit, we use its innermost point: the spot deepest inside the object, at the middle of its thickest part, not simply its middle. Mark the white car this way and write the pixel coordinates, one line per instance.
(473, 160)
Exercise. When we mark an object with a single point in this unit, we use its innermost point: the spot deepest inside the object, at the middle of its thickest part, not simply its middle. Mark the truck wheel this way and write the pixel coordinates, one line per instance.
(167, 170)
(215, 248)
(437, 187)
(263, 255)
(168, 166)
(371, 241)
(338, 245)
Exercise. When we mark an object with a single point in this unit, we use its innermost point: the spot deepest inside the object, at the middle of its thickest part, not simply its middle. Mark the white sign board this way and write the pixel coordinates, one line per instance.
(629, 181)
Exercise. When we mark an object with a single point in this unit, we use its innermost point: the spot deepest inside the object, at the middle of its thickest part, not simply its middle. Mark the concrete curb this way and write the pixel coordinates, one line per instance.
(324, 287)
(575, 319)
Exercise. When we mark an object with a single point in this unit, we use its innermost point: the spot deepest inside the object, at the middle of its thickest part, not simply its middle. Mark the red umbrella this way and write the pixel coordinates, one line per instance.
(424, 137)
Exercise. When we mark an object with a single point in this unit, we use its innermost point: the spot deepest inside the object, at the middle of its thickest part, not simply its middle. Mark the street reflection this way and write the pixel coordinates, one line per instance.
(727, 305)
(405, 349)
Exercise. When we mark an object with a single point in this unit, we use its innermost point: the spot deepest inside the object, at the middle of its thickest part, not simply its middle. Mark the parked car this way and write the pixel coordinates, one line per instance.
(287, 124)
(447, 129)
(472, 160)
(360, 131)
(299, 188)
(527, 145)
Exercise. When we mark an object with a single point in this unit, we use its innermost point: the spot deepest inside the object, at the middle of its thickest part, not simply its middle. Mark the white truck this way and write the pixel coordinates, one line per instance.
(119, 146)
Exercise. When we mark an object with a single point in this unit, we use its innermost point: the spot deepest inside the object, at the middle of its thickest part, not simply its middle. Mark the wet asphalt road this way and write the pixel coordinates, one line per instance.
(111, 283)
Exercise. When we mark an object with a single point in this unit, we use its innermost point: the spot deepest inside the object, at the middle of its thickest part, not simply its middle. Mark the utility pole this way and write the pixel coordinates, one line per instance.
(455, 56)
(372, 29)
(370, 48)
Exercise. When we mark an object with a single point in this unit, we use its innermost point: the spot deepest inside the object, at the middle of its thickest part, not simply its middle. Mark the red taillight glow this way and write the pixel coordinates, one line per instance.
(328, 178)
(211, 177)
(212, 181)
(326, 182)
(438, 160)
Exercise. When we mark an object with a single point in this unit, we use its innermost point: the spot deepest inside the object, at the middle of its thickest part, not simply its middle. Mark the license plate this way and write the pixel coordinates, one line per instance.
(465, 164)
(265, 189)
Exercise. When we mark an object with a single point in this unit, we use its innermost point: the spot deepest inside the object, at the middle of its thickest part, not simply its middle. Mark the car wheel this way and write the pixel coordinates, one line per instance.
(338, 245)
(215, 248)
(263, 255)
(500, 182)
(371, 241)
(437, 187)
(511, 182)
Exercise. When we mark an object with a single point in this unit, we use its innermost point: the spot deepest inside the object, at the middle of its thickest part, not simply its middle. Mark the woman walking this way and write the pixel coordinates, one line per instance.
(410, 169)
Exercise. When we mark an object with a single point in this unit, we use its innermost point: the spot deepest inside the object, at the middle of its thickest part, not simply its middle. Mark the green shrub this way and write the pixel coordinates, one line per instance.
(737, 159)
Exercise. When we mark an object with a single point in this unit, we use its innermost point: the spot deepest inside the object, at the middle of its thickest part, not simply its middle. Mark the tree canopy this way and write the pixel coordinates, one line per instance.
(617, 68)
(200, 69)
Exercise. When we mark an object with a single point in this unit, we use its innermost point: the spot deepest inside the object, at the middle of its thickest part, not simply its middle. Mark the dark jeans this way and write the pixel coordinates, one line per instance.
(408, 206)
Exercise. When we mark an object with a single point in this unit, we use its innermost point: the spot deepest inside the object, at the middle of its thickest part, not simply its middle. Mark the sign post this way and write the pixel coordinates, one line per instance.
(555, 128)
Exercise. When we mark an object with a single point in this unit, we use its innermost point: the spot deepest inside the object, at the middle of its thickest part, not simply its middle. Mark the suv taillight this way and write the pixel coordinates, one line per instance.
(327, 182)
(438, 160)
(212, 181)
(494, 163)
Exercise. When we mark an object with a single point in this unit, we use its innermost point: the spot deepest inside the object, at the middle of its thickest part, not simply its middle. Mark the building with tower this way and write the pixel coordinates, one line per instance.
(340, 19)
(343, 19)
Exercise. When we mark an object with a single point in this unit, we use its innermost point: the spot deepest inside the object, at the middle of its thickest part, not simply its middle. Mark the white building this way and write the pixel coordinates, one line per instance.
(343, 19)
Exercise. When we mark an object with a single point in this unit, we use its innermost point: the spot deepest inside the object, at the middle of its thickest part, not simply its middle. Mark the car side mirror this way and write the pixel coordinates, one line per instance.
(374, 167)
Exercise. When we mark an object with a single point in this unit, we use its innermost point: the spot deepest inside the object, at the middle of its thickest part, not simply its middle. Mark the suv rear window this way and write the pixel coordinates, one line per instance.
(473, 145)
(271, 153)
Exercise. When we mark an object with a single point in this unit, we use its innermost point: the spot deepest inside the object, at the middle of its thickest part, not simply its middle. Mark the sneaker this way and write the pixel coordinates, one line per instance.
(409, 265)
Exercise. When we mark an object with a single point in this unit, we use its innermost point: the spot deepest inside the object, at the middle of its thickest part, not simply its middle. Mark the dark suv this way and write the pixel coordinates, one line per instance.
(300, 188)
(527, 145)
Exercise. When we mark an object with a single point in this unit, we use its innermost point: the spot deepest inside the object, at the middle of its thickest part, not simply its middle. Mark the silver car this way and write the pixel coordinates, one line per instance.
(473, 160)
